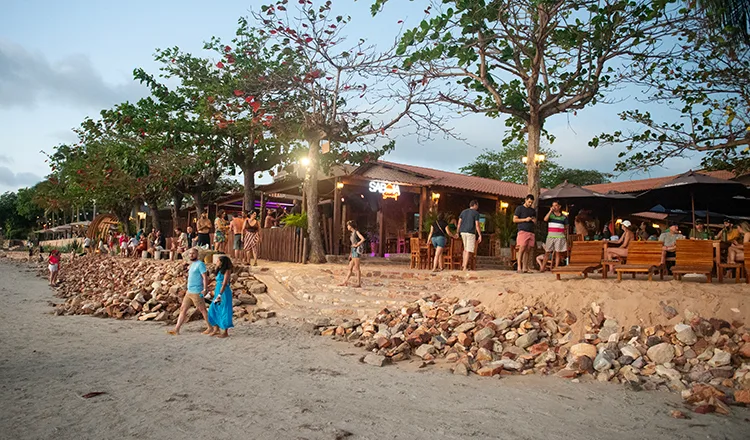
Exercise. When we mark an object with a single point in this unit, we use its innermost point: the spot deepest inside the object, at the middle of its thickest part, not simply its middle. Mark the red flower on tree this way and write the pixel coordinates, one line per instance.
(238, 93)
(220, 65)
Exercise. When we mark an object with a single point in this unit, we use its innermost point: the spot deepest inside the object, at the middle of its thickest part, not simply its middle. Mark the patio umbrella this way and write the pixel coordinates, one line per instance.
(682, 191)
(567, 191)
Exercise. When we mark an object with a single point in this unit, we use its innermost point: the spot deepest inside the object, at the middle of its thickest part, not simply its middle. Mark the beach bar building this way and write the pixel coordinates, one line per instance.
(390, 202)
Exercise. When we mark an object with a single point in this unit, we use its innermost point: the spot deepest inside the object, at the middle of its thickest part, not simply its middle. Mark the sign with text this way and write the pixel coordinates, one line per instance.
(387, 189)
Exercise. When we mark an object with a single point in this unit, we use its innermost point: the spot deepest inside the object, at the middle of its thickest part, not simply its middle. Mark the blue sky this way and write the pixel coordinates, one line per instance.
(63, 61)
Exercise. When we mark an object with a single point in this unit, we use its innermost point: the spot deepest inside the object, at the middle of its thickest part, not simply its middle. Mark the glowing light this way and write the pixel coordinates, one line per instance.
(618, 221)
(305, 161)
(565, 213)
(525, 159)
(339, 185)
(655, 226)
(389, 190)
(504, 205)
(435, 196)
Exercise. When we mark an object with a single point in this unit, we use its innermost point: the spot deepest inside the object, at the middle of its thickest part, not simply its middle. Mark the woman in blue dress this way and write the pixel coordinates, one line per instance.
(220, 312)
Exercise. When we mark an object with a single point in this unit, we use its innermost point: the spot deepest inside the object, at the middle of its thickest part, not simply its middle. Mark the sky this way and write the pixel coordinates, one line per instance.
(63, 61)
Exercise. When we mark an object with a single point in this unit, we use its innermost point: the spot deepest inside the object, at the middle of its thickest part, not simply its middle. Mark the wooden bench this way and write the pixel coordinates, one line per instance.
(694, 256)
(643, 257)
(585, 256)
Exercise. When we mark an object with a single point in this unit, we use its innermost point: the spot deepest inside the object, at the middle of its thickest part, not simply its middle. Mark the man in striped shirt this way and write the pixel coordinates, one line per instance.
(557, 241)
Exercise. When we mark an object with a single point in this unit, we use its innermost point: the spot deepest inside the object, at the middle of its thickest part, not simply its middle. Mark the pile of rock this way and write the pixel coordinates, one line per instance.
(122, 288)
(712, 353)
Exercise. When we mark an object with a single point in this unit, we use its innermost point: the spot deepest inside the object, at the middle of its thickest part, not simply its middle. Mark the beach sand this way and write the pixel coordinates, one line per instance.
(271, 380)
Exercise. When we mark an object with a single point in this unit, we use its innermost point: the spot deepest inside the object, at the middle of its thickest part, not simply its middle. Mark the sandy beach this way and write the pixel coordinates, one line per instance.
(272, 379)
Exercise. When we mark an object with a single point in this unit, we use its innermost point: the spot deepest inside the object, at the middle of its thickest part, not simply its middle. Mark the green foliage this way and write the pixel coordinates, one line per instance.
(702, 77)
(295, 221)
(529, 59)
(506, 165)
(504, 226)
(18, 213)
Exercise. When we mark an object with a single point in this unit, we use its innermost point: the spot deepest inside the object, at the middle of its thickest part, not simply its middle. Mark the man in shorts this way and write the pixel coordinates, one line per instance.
(470, 230)
(557, 240)
(238, 222)
(525, 218)
(197, 283)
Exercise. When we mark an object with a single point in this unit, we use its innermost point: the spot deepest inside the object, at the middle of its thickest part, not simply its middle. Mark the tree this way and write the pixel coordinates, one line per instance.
(506, 165)
(731, 14)
(344, 95)
(240, 99)
(529, 59)
(702, 83)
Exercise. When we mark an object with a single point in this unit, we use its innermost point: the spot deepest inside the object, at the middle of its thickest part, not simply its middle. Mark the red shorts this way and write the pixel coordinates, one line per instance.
(526, 239)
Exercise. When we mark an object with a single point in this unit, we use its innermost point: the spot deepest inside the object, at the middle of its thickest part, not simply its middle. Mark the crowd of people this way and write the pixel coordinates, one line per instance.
(620, 234)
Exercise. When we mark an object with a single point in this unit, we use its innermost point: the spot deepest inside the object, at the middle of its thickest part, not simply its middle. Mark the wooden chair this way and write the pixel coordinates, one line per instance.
(401, 242)
(449, 254)
(694, 256)
(419, 258)
(643, 257)
(738, 267)
(585, 257)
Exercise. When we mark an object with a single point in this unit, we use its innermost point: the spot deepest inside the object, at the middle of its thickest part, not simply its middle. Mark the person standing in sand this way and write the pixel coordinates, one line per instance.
(220, 312)
(357, 241)
(54, 267)
(236, 226)
(197, 283)
(557, 235)
(251, 238)
(470, 230)
(525, 217)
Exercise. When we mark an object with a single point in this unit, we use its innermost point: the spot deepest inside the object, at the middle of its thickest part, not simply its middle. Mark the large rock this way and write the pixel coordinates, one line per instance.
(685, 334)
(669, 373)
(720, 358)
(629, 350)
(257, 288)
(602, 362)
(424, 350)
(583, 349)
(246, 298)
(465, 327)
(484, 334)
(661, 353)
(374, 359)
(528, 339)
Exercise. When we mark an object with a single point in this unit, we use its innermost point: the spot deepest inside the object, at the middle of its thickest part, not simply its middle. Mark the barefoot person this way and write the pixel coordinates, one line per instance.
(439, 235)
(251, 237)
(557, 240)
(236, 226)
(197, 283)
(357, 241)
(220, 312)
(470, 230)
(525, 217)
(54, 267)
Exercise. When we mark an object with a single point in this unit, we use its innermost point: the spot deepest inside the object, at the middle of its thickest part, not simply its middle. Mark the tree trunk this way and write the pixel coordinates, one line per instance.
(198, 202)
(175, 208)
(248, 178)
(532, 168)
(153, 206)
(317, 252)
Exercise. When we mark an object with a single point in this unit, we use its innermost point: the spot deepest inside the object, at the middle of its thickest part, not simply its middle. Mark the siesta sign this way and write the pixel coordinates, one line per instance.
(389, 190)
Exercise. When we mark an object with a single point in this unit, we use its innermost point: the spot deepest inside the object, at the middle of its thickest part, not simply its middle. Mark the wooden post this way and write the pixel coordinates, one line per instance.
(422, 209)
(692, 204)
(262, 218)
(337, 226)
(381, 230)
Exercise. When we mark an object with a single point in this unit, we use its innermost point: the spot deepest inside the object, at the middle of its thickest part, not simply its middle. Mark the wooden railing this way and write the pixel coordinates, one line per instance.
(282, 244)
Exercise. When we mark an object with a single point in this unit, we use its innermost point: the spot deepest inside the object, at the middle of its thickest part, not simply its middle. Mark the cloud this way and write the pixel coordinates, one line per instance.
(17, 180)
(5, 159)
(28, 79)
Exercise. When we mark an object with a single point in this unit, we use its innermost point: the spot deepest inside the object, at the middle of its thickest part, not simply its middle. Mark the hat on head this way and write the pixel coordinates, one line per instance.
(699, 222)
(626, 223)
(728, 220)
(673, 224)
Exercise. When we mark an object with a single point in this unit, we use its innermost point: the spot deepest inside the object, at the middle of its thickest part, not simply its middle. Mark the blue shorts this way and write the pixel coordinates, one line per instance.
(355, 253)
(438, 242)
